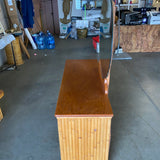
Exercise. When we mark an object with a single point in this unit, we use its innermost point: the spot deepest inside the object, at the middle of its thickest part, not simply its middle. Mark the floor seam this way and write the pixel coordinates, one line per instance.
(149, 125)
(150, 99)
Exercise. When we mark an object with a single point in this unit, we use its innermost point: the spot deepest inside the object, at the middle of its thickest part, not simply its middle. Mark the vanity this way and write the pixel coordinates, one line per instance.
(83, 111)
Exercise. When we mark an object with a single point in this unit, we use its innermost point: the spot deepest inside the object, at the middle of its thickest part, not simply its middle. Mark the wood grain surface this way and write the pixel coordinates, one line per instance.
(82, 91)
(84, 138)
(17, 52)
(1, 95)
(138, 38)
(1, 115)
(24, 48)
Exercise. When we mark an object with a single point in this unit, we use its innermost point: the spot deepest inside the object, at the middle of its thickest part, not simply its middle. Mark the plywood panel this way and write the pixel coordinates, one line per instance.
(151, 38)
(37, 27)
(45, 18)
(49, 15)
(56, 17)
(46, 15)
(84, 138)
(138, 38)
(128, 38)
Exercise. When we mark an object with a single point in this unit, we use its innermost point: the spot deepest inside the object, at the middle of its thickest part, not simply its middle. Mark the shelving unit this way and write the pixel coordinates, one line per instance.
(90, 16)
(129, 4)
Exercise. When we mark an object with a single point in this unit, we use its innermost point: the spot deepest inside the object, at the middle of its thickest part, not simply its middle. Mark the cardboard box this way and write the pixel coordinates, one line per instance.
(12, 13)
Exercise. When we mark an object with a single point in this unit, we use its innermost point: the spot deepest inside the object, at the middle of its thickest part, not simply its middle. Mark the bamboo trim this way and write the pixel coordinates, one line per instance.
(84, 138)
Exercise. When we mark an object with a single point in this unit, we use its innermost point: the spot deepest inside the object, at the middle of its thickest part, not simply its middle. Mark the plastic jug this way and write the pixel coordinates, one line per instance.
(41, 42)
(50, 42)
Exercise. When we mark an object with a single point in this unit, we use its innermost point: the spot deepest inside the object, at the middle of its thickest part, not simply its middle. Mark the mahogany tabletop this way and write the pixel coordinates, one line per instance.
(82, 91)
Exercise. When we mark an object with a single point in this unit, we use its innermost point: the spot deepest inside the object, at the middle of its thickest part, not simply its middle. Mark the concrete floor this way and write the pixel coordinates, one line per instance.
(29, 130)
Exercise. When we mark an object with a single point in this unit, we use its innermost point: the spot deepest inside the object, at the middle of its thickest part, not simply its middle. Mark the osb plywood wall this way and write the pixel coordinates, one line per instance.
(3, 15)
(139, 38)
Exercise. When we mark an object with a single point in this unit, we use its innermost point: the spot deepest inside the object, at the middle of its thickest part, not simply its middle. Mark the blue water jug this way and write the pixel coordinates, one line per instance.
(50, 42)
(41, 41)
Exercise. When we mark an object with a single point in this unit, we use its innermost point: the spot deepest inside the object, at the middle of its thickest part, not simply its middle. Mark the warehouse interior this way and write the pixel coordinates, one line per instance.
(29, 128)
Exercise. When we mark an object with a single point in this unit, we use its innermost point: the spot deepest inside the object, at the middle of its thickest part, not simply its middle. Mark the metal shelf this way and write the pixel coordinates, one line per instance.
(129, 4)
(133, 4)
